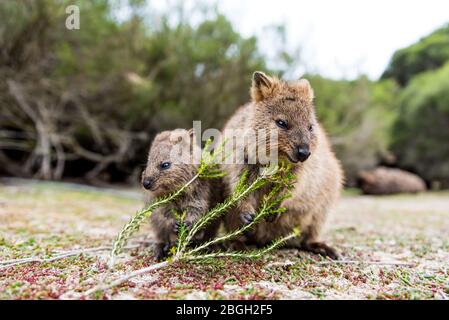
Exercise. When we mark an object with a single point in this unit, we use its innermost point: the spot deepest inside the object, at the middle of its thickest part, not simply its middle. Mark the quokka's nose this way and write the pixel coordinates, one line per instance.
(302, 153)
(147, 183)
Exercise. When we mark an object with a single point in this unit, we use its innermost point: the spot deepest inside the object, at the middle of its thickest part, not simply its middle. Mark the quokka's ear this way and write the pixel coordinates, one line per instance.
(181, 136)
(305, 90)
(262, 86)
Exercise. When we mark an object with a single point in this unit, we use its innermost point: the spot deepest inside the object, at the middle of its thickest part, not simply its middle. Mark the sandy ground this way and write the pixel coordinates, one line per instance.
(394, 247)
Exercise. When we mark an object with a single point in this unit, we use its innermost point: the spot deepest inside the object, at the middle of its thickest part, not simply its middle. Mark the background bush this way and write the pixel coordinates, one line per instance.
(358, 116)
(421, 133)
(100, 93)
(429, 53)
(85, 104)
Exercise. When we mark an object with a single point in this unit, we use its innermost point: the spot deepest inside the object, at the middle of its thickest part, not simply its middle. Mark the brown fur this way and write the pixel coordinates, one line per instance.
(319, 178)
(384, 180)
(195, 201)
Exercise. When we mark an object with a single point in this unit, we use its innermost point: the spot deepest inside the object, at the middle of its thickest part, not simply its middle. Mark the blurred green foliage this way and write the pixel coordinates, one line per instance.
(421, 133)
(113, 84)
(99, 94)
(358, 115)
(429, 53)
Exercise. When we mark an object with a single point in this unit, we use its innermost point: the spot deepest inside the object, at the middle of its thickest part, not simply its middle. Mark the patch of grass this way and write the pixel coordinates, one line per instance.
(52, 219)
(351, 192)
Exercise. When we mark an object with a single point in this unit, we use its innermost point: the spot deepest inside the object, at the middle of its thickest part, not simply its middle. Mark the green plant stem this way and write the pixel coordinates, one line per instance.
(134, 223)
(246, 255)
(262, 213)
(215, 212)
(228, 236)
(242, 255)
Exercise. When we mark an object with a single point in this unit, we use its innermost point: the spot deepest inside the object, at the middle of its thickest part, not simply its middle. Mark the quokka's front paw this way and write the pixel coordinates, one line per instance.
(322, 249)
(189, 224)
(247, 217)
(176, 226)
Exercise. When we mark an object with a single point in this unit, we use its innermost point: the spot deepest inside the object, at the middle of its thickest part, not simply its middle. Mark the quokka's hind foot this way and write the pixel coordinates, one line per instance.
(161, 250)
(320, 248)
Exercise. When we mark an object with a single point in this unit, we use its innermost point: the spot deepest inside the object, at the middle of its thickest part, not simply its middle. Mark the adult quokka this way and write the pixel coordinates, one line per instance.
(170, 165)
(288, 108)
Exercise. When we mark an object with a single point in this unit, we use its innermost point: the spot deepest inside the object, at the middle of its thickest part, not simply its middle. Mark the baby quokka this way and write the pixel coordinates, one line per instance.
(170, 165)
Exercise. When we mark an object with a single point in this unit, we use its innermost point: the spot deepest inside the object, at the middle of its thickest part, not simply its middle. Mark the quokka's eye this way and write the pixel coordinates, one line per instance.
(310, 127)
(282, 124)
(165, 165)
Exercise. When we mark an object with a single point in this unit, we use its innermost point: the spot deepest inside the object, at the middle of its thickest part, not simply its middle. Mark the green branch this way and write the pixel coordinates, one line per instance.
(134, 223)
(270, 205)
(279, 178)
(254, 254)
(243, 190)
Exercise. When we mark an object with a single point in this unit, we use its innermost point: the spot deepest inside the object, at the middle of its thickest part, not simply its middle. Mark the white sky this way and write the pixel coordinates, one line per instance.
(343, 38)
